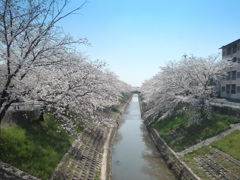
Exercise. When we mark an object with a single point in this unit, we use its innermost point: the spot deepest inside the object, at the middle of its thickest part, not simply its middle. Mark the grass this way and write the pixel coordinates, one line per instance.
(35, 147)
(229, 144)
(179, 135)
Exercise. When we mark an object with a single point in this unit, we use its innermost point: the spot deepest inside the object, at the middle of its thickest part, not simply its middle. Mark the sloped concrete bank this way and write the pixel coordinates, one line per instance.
(90, 155)
(106, 167)
(173, 162)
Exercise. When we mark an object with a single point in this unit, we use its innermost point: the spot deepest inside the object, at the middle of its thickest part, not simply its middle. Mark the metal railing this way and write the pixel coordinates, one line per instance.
(26, 106)
(224, 102)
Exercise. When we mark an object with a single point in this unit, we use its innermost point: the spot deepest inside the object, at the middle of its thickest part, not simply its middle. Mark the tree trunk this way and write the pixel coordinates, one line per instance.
(41, 117)
(3, 111)
(202, 107)
(0, 138)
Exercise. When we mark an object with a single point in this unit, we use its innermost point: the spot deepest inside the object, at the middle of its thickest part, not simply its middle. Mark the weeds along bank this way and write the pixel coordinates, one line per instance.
(37, 147)
(172, 134)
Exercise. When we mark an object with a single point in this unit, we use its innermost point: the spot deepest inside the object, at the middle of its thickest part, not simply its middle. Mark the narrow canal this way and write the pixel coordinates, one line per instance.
(135, 157)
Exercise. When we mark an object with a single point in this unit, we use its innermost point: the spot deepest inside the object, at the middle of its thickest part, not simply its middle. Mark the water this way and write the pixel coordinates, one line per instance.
(134, 155)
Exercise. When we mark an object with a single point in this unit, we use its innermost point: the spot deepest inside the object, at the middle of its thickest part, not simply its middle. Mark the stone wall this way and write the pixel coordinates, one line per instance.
(227, 110)
(8, 172)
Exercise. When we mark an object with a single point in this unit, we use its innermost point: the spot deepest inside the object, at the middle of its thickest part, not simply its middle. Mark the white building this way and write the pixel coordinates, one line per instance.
(230, 84)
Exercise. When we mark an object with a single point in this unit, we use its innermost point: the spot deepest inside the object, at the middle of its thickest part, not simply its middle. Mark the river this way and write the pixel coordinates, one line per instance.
(135, 157)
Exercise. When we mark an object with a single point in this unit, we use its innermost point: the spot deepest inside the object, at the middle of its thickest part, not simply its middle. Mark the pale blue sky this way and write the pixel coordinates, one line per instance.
(136, 37)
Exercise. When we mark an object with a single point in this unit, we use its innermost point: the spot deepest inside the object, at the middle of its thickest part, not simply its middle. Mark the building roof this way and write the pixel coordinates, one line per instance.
(232, 43)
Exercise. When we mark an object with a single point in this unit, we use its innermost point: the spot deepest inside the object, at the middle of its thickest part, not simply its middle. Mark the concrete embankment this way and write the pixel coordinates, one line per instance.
(106, 166)
(174, 163)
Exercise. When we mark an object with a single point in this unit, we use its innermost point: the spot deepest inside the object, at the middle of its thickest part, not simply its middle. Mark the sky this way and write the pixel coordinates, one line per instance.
(137, 37)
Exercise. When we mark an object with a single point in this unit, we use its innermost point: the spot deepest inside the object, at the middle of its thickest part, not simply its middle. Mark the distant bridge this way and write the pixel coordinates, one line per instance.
(136, 90)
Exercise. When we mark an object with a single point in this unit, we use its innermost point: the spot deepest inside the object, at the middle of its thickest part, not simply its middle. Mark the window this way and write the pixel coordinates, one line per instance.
(238, 89)
(228, 88)
(238, 60)
(229, 50)
(234, 75)
(238, 74)
(233, 89)
(238, 46)
(234, 59)
(228, 76)
(223, 88)
(234, 48)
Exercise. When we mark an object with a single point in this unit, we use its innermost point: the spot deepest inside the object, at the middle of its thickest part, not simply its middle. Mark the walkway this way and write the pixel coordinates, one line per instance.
(210, 140)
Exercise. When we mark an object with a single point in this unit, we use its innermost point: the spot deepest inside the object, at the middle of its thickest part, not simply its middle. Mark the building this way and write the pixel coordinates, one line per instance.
(230, 83)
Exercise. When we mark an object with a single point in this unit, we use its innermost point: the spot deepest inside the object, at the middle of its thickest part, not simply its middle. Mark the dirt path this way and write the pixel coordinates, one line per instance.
(210, 140)
(105, 158)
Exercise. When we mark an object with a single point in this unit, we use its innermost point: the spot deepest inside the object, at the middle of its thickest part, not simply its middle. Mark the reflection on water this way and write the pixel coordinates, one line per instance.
(134, 154)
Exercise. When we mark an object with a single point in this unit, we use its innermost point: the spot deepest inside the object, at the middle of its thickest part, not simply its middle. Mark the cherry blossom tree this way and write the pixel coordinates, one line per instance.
(38, 63)
(188, 81)
(75, 83)
(29, 38)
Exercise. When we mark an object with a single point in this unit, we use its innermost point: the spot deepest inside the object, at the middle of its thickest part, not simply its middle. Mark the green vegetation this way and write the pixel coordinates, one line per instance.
(114, 109)
(35, 147)
(179, 135)
(229, 144)
(98, 174)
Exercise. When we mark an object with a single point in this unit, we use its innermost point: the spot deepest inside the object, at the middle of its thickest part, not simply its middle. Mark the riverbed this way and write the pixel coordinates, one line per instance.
(134, 154)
